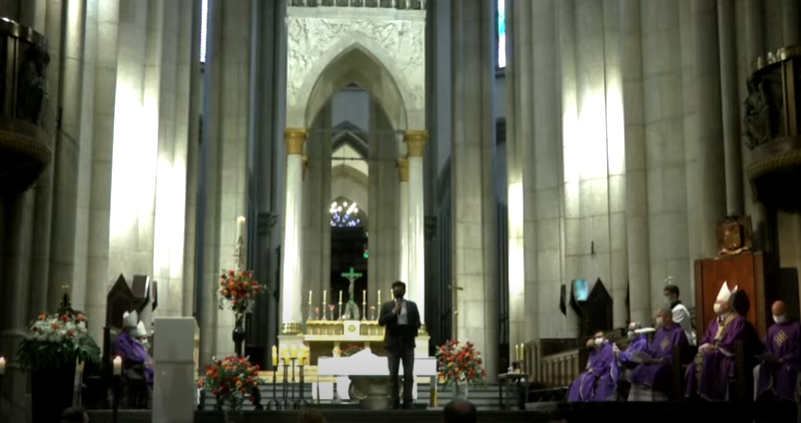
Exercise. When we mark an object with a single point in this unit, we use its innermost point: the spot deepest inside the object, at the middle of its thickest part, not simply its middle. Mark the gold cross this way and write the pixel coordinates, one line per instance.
(664, 344)
(780, 338)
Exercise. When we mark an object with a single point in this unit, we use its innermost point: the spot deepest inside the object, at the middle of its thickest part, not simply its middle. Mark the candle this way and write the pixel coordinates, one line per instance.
(117, 366)
(240, 228)
(325, 297)
(379, 296)
(275, 355)
(284, 351)
(364, 296)
(2, 366)
(310, 297)
(294, 350)
(522, 352)
(340, 296)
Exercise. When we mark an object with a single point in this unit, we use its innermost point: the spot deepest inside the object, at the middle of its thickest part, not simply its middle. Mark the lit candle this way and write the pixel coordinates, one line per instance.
(310, 297)
(2, 366)
(294, 350)
(340, 296)
(240, 228)
(364, 296)
(275, 355)
(379, 296)
(284, 351)
(117, 366)
(325, 296)
(522, 352)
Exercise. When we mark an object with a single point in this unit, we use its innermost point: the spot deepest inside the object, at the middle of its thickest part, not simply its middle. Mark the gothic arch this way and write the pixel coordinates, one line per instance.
(356, 59)
(350, 183)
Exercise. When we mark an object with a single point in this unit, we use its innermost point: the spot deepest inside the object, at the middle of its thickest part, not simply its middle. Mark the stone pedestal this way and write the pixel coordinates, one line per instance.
(174, 389)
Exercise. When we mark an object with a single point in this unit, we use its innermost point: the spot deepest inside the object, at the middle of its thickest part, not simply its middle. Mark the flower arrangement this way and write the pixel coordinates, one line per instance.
(57, 340)
(232, 381)
(239, 289)
(460, 363)
(351, 349)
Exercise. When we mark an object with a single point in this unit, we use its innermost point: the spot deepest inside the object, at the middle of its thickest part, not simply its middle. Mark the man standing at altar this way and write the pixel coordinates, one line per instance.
(599, 380)
(777, 376)
(132, 352)
(402, 321)
(709, 374)
(652, 379)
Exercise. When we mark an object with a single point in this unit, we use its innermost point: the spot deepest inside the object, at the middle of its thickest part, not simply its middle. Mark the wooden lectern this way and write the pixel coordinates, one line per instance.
(738, 266)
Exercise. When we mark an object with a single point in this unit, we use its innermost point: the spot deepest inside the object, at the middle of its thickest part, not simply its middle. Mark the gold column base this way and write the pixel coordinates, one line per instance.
(434, 395)
(291, 328)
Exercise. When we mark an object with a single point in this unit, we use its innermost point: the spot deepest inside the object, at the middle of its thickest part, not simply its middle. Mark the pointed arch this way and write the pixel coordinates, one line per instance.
(349, 182)
(356, 59)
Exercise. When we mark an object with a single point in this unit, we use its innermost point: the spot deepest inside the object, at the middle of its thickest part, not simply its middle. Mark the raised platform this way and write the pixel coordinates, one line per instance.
(619, 412)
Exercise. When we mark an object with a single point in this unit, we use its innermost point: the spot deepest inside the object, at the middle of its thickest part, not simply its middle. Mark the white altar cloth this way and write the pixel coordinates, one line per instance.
(364, 363)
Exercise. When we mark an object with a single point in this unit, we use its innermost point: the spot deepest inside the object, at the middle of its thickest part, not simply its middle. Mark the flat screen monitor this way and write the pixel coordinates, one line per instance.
(581, 289)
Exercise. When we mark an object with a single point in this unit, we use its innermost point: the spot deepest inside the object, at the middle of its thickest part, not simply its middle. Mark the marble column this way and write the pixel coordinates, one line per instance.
(66, 154)
(636, 183)
(706, 198)
(403, 223)
(730, 102)
(291, 268)
(791, 21)
(415, 146)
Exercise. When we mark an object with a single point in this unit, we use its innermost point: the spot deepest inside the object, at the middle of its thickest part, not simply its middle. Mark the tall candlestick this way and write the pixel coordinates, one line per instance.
(275, 355)
(364, 296)
(325, 296)
(294, 350)
(117, 366)
(340, 296)
(239, 243)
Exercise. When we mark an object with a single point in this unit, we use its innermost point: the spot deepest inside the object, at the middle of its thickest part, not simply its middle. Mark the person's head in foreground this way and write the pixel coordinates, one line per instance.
(779, 312)
(664, 317)
(74, 415)
(460, 411)
(311, 415)
(398, 290)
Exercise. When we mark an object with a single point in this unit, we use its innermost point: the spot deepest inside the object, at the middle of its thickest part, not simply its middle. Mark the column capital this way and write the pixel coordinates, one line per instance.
(294, 139)
(403, 169)
(416, 142)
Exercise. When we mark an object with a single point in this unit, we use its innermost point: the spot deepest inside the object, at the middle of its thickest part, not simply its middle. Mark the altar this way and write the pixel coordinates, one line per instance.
(338, 338)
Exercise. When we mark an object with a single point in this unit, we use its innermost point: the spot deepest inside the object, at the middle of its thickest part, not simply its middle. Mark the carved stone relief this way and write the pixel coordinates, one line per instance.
(318, 36)
(763, 110)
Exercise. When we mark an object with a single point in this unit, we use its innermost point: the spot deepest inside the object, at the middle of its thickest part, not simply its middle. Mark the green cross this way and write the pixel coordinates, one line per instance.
(351, 275)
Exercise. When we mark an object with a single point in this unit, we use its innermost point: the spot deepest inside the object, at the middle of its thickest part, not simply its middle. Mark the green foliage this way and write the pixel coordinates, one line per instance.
(36, 355)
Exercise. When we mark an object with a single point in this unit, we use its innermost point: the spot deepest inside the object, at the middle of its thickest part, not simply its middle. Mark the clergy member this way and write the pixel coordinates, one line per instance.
(652, 380)
(681, 316)
(776, 377)
(637, 343)
(131, 351)
(599, 380)
(709, 374)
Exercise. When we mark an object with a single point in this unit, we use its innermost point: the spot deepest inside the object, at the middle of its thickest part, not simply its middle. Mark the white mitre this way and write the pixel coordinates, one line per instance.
(129, 320)
(140, 331)
(724, 293)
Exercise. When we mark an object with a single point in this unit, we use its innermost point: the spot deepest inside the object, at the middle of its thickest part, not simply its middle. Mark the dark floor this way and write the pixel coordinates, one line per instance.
(622, 412)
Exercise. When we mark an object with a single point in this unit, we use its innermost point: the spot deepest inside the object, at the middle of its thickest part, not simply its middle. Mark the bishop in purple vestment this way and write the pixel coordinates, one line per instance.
(131, 351)
(778, 379)
(655, 374)
(709, 374)
(599, 381)
(638, 342)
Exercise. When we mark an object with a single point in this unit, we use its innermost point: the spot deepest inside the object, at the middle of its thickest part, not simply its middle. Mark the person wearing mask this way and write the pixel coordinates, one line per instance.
(652, 380)
(681, 316)
(599, 381)
(459, 411)
(401, 318)
(131, 351)
(637, 343)
(776, 377)
(709, 374)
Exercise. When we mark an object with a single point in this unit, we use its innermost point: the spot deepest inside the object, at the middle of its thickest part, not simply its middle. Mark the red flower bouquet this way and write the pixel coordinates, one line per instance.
(351, 349)
(239, 289)
(460, 363)
(232, 381)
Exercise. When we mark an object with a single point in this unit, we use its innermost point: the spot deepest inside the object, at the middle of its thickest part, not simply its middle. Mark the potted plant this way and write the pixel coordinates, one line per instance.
(460, 364)
(238, 290)
(231, 381)
(52, 346)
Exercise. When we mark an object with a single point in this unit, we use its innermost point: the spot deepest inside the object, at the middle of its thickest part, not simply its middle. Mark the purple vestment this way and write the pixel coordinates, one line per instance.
(710, 372)
(782, 341)
(599, 380)
(132, 351)
(640, 343)
(658, 376)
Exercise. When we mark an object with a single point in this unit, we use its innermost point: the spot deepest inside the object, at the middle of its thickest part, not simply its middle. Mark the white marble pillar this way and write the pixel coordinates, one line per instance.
(291, 266)
(415, 145)
(174, 389)
(729, 81)
(791, 21)
(403, 221)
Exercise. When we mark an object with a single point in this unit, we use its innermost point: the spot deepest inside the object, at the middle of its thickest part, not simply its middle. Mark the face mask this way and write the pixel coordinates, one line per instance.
(632, 335)
(668, 301)
(599, 341)
(717, 308)
(780, 319)
(397, 294)
(659, 322)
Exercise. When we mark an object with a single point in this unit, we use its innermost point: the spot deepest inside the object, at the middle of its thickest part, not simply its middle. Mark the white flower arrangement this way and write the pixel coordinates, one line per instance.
(56, 340)
(55, 328)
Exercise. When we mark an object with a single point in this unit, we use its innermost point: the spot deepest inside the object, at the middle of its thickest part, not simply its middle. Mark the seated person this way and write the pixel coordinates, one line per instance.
(776, 377)
(652, 379)
(638, 342)
(131, 351)
(140, 336)
(599, 381)
(710, 373)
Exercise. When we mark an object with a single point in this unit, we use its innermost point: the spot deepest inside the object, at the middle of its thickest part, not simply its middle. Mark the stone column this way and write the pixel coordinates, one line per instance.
(636, 182)
(727, 32)
(791, 14)
(415, 145)
(66, 155)
(403, 224)
(706, 200)
(291, 267)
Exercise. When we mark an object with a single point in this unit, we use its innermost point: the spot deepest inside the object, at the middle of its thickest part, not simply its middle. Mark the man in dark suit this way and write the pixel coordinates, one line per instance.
(402, 320)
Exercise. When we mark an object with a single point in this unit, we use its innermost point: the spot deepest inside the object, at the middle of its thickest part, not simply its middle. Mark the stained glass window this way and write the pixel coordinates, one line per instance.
(204, 13)
(344, 215)
(501, 33)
